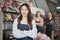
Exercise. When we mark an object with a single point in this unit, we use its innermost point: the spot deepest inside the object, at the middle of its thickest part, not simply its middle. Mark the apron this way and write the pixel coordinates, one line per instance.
(24, 27)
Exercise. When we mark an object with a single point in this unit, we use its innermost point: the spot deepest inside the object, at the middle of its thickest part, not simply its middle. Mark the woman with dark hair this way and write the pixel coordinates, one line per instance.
(49, 24)
(39, 21)
(24, 27)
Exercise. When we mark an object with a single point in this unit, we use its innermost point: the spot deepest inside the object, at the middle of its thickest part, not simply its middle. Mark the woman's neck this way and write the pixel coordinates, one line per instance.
(24, 19)
(50, 18)
(38, 17)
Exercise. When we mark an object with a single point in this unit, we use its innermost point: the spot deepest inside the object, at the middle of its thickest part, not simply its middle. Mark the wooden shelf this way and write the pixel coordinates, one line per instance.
(10, 12)
(7, 21)
(7, 30)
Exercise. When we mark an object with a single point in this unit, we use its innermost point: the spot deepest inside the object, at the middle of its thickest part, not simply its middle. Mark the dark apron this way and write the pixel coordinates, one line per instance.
(49, 27)
(39, 29)
(24, 27)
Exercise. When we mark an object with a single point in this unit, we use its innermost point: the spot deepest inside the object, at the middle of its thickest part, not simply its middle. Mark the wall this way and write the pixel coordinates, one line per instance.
(42, 4)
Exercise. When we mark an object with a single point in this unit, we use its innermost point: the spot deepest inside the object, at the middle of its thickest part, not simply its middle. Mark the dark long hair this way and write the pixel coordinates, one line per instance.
(29, 16)
(37, 13)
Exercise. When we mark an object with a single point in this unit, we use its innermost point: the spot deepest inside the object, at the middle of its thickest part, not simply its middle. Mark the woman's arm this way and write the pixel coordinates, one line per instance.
(41, 23)
(16, 32)
(31, 33)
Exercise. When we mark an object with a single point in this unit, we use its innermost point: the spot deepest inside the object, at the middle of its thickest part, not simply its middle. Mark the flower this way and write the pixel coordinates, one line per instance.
(44, 37)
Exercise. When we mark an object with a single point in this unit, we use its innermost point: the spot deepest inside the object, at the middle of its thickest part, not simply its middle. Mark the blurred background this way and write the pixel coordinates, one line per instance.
(9, 11)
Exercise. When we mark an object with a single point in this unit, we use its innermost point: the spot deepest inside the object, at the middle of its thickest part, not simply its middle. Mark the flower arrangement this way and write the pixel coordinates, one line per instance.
(41, 36)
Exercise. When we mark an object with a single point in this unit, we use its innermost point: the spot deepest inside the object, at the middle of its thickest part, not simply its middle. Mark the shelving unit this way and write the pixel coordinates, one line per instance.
(8, 22)
(7, 19)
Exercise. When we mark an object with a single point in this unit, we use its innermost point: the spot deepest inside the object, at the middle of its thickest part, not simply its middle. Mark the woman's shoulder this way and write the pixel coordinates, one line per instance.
(33, 21)
(15, 20)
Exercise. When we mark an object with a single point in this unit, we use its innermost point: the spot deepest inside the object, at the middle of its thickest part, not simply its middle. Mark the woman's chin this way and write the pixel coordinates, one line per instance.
(24, 15)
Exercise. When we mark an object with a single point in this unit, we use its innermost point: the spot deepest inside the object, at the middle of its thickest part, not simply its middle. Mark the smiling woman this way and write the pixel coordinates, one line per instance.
(24, 11)
(24, 27)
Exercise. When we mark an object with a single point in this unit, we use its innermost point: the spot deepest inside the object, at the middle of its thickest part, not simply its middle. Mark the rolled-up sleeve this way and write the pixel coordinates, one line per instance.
(16, 32)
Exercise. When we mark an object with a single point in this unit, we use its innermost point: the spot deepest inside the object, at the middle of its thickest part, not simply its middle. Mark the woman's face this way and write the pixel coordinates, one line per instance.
(38, 14)
(49, 14)
(24, 11)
